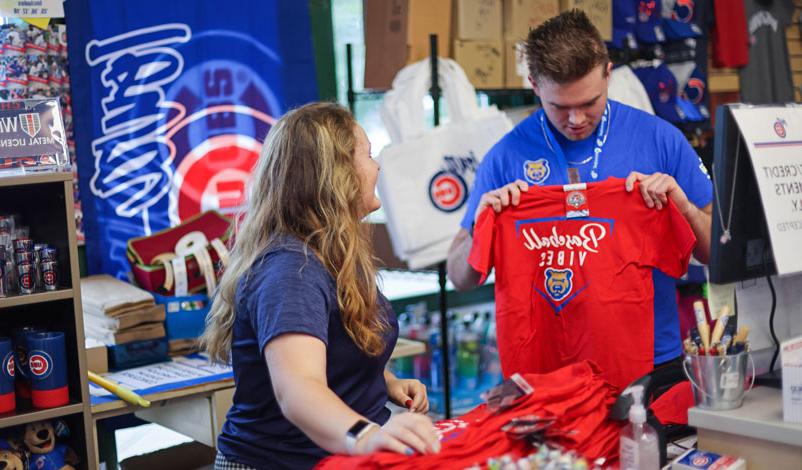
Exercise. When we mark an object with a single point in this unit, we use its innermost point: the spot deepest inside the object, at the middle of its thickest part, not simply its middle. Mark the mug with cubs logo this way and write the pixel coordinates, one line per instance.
(47, 366)
(8, 400)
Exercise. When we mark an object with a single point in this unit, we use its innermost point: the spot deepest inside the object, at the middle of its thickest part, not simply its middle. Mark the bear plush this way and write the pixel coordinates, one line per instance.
(10, 457)
(40, 440)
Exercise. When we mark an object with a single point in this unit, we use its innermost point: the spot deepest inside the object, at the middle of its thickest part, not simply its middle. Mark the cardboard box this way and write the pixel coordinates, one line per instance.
(522, 15)
(478, 19)
(483, 62)
(516, 71)
(397, 33)
(599, 11)
(97, 359)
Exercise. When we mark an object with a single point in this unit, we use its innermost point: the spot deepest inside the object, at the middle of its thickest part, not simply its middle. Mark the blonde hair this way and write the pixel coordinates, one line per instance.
(305, 185)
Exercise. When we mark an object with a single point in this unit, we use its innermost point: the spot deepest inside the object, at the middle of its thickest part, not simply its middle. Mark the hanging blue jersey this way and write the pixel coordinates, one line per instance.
(633, 141)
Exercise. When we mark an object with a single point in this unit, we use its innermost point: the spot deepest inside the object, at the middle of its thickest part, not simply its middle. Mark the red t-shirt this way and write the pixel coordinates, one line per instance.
(580, 288)
(730, 35)
(575, 395)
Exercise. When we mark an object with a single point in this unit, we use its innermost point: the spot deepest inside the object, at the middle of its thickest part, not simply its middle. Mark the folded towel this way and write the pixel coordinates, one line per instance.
(112, 297)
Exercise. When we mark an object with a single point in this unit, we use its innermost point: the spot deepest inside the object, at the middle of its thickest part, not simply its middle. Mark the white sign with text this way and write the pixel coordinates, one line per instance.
(773, 136)
(32, 8)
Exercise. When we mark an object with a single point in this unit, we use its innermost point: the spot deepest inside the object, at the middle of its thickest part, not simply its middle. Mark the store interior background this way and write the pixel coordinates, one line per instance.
(347, 27)
(336, 23)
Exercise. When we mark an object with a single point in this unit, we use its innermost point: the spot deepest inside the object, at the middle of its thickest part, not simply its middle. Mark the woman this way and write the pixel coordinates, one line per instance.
(298, 312)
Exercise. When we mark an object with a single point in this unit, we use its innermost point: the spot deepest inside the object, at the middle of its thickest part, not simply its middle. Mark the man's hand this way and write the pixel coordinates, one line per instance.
(657, 188)
(501, 197)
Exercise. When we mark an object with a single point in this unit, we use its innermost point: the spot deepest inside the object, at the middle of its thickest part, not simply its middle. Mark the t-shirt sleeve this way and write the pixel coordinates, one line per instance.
(292, 296)
(687, 168)
(481, 256)
(670, 242)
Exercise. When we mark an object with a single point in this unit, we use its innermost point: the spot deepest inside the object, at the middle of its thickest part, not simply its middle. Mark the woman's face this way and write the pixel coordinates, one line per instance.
(368, 170)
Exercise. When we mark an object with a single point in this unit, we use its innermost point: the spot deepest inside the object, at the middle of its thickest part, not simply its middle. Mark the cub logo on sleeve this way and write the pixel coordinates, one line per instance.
(558, 283)
(536, 171)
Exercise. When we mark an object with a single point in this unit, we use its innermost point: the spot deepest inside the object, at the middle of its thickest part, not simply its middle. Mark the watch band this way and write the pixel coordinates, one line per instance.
(357, 432)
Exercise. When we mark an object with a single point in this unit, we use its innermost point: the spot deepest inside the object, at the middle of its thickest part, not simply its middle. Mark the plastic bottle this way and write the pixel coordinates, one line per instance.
(639, 444)
(467, 356)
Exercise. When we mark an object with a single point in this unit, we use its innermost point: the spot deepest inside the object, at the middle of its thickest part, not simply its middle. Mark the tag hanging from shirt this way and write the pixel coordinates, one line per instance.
(576, 200)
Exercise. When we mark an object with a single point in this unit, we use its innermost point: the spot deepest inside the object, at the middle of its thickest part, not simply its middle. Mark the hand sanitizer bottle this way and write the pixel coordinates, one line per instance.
(639, 443)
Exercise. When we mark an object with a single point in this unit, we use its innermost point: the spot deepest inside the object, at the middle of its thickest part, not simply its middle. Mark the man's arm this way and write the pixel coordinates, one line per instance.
(700, 221)
(460, 272)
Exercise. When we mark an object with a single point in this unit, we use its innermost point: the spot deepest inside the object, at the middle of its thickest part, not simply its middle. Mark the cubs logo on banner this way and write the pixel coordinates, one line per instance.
(176, 101)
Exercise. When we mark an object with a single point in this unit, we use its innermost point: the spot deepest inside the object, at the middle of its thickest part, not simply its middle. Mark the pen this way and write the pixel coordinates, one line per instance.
(118, 390)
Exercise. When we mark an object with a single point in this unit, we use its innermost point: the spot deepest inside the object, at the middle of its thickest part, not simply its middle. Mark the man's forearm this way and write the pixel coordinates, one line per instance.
(700, 220)
(461, 274)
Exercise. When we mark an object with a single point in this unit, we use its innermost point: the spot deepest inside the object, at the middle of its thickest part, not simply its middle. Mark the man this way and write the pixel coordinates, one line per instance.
(579, 129)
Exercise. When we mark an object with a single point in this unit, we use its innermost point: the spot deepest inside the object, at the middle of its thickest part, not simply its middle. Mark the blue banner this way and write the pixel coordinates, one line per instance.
(172, 100)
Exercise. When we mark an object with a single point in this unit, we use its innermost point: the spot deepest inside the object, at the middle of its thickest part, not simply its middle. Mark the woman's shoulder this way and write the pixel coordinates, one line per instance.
(286, 261)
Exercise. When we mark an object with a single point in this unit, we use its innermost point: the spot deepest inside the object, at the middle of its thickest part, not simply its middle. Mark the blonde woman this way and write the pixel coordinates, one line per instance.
(298, 313)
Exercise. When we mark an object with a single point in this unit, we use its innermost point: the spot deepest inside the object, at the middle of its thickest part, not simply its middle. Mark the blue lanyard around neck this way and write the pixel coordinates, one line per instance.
(601, 138)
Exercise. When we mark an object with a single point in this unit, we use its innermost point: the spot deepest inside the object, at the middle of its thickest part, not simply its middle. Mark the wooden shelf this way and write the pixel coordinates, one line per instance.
(35, 178)
(24, 417)
(17, 300)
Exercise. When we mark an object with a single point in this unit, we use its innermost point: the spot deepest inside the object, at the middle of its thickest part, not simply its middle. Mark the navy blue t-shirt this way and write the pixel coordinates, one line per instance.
(635, 141)
(288, 291)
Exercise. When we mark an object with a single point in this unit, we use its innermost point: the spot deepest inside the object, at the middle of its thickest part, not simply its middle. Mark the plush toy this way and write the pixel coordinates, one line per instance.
(40, 440)
(10, 457)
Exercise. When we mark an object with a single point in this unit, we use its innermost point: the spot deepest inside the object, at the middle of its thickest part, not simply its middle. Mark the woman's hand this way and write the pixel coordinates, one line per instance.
(408, 393)
(405, 433)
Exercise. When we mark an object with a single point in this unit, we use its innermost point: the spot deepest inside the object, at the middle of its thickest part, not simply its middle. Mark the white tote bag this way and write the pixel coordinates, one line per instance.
(426, 173)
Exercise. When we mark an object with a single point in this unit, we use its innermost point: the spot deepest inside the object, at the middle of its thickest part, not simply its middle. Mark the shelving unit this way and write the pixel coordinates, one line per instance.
(44, 201)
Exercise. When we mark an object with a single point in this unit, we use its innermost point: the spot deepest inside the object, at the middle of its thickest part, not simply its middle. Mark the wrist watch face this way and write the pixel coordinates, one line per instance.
(358, 428)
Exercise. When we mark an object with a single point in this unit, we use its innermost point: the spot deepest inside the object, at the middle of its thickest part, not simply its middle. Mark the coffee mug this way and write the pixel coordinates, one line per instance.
(47, 365)
(8, 400)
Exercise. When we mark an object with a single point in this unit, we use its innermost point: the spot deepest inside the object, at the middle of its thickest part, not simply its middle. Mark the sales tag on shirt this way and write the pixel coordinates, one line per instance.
(576, 201)
(729, 380)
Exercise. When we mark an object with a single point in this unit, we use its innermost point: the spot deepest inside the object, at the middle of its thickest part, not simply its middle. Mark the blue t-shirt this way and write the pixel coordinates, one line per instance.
(635, 141)
(287, 291)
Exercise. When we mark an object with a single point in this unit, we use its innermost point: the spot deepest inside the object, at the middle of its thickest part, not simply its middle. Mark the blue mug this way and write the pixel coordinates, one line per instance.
(8, 400)
(20, 339)
(47, 365)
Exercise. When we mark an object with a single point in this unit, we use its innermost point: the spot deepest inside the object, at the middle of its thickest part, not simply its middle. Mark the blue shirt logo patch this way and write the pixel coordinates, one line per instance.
(536, 171)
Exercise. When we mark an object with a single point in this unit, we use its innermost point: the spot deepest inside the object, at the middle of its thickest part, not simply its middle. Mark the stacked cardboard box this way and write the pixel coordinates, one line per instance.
(600, 13)
(479, 44)
(521, 16)
(397, 33)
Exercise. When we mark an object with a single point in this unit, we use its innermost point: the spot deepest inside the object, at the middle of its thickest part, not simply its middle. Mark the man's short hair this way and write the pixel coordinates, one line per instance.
(565, 48)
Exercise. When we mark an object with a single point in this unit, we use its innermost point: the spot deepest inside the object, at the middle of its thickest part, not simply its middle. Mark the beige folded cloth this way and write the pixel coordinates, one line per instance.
(111, 297)
(137, 333)
(150, 314)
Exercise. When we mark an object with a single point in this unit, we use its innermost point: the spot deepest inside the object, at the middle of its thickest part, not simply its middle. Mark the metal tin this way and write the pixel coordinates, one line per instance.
(50, 275)
(25, 276)
(23, 245)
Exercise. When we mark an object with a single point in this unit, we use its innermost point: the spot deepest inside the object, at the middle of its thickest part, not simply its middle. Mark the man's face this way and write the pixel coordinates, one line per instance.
(575, 108)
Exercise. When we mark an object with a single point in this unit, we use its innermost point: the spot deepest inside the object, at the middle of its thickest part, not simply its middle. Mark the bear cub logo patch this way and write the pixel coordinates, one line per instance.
(558, 283)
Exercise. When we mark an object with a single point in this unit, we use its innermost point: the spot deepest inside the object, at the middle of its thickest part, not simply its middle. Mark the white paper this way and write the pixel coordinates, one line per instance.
(180, 369)
(792, 380)
(32, 8)
(773, 137)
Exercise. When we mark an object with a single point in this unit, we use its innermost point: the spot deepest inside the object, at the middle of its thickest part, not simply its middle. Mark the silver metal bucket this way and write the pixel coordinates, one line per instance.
(718, 382)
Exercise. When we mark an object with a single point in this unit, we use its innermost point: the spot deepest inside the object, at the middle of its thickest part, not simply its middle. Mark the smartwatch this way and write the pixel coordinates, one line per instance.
(357, 432)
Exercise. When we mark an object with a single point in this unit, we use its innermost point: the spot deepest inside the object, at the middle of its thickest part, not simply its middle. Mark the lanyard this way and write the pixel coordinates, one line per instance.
(601, 139)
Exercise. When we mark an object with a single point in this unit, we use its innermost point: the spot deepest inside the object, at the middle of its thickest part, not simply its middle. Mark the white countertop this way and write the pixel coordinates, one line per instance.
(760, 417)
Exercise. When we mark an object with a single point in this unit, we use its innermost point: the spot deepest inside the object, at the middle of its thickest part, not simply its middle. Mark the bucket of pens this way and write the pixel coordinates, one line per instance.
(716, 363)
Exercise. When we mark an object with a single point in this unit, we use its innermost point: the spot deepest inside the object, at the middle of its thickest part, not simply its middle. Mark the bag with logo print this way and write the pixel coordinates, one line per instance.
(426, 173)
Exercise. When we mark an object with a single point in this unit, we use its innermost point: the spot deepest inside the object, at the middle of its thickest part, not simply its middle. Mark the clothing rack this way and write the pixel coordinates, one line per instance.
(435, 93)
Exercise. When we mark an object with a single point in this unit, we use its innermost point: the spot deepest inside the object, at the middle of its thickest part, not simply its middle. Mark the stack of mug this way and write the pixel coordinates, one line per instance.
(34, 368)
